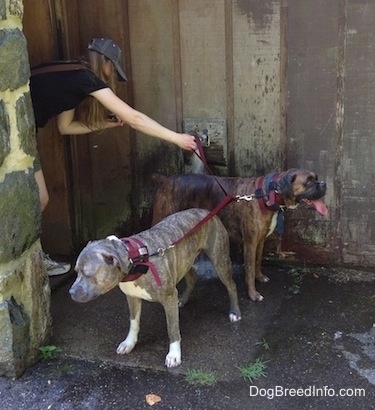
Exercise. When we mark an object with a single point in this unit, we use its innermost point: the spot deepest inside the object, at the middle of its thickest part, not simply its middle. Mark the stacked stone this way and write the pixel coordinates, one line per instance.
(25, 322)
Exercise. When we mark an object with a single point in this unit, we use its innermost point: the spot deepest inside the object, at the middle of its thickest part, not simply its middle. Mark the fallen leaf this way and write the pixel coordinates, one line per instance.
(152, 399)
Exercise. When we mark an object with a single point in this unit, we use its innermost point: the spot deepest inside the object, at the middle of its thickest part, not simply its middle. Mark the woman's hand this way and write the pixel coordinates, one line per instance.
(186, 141)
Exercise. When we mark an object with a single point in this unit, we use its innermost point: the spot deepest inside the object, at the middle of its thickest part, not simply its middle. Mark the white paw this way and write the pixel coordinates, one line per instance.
(262, 278)
(234, 318)
(255, 296)
(126, 346)
(182, 302)
(173, 358)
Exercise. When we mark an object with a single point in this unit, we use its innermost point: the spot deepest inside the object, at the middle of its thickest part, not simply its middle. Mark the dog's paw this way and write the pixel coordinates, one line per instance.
(172, 361)
(234, 317)
(256, 296)
(262, 278)
(182, 301)
(173, 357)
(126, 346)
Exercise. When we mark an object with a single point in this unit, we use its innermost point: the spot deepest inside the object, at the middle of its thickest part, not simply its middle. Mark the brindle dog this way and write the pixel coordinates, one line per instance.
(248, 222)
(105, 263)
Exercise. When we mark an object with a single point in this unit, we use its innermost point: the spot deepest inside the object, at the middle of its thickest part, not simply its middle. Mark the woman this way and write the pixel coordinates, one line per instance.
(81, 96)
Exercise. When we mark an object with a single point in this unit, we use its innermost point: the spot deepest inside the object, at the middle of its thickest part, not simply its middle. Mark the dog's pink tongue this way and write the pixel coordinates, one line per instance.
(320, 207)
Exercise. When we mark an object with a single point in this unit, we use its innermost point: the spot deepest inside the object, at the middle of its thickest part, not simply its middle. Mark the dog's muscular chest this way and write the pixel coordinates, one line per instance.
(273, 224)
(131, 289)
(238, 225)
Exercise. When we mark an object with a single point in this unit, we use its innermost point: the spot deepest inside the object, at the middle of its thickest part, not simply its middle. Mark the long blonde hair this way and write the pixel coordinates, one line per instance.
(90, 111)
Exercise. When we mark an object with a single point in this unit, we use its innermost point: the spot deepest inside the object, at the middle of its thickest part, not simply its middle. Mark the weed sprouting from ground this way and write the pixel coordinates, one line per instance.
(200, 377)
(253, 371)
(48, 352)
(263, 343)
(297, 278)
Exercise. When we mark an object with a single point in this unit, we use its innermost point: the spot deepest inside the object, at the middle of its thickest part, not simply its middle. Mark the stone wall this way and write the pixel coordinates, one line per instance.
(25, 321)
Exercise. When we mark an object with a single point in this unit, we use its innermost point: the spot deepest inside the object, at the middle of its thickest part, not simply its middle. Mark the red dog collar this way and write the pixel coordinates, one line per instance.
(139, 262)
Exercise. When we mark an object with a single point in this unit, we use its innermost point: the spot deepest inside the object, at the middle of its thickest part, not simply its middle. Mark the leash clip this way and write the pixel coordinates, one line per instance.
(245, 197)
(160, 252)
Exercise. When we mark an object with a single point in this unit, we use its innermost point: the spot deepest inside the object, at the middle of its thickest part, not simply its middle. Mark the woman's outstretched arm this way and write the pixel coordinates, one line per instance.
(142, 122)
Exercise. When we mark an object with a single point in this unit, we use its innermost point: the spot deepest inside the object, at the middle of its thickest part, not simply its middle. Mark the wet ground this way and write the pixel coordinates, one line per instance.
(314, 334)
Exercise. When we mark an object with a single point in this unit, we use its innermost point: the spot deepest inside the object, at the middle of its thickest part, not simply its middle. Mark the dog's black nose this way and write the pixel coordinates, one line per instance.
(322, 184)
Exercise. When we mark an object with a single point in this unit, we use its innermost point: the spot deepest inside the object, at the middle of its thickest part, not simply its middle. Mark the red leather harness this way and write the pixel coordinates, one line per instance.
(139, 261)
(269, 199)
(138, 252)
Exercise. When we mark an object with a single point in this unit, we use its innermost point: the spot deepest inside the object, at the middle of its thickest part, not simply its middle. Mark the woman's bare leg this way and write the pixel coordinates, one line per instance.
(53, 268)
(43, 192)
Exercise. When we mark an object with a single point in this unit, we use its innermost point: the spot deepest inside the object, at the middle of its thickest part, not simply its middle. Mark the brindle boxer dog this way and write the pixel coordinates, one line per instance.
(249, 222)
(105, 263)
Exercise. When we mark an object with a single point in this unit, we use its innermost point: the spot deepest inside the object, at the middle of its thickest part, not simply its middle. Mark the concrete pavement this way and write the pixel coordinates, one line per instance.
(314, 332)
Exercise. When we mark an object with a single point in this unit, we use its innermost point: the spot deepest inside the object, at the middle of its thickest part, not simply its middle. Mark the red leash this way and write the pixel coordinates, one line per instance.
(201, 154)
(202, 157)
(228, 199)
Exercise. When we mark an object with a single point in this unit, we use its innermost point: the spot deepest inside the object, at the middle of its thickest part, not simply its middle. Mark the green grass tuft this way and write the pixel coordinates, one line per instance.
(201, 377)
(48, 352)
(253, 371)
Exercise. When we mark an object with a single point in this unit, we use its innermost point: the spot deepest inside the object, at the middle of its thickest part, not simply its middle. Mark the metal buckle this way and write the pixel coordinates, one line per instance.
(143, 251)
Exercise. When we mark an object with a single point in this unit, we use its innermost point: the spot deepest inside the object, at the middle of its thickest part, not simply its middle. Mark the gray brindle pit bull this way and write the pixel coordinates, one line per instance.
(248, 222)
(103, 264)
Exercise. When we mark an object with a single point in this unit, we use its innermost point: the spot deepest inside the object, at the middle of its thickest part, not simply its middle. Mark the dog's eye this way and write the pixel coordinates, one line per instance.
(87, 272)
(311, 180)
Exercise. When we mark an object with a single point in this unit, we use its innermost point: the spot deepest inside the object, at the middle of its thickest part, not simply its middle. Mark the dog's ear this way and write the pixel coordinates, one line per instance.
(110, 259)
(113, 260)
(113, 238)
(285, 185)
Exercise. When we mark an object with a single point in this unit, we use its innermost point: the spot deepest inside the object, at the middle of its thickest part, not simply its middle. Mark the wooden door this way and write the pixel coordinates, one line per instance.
(88, 176)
